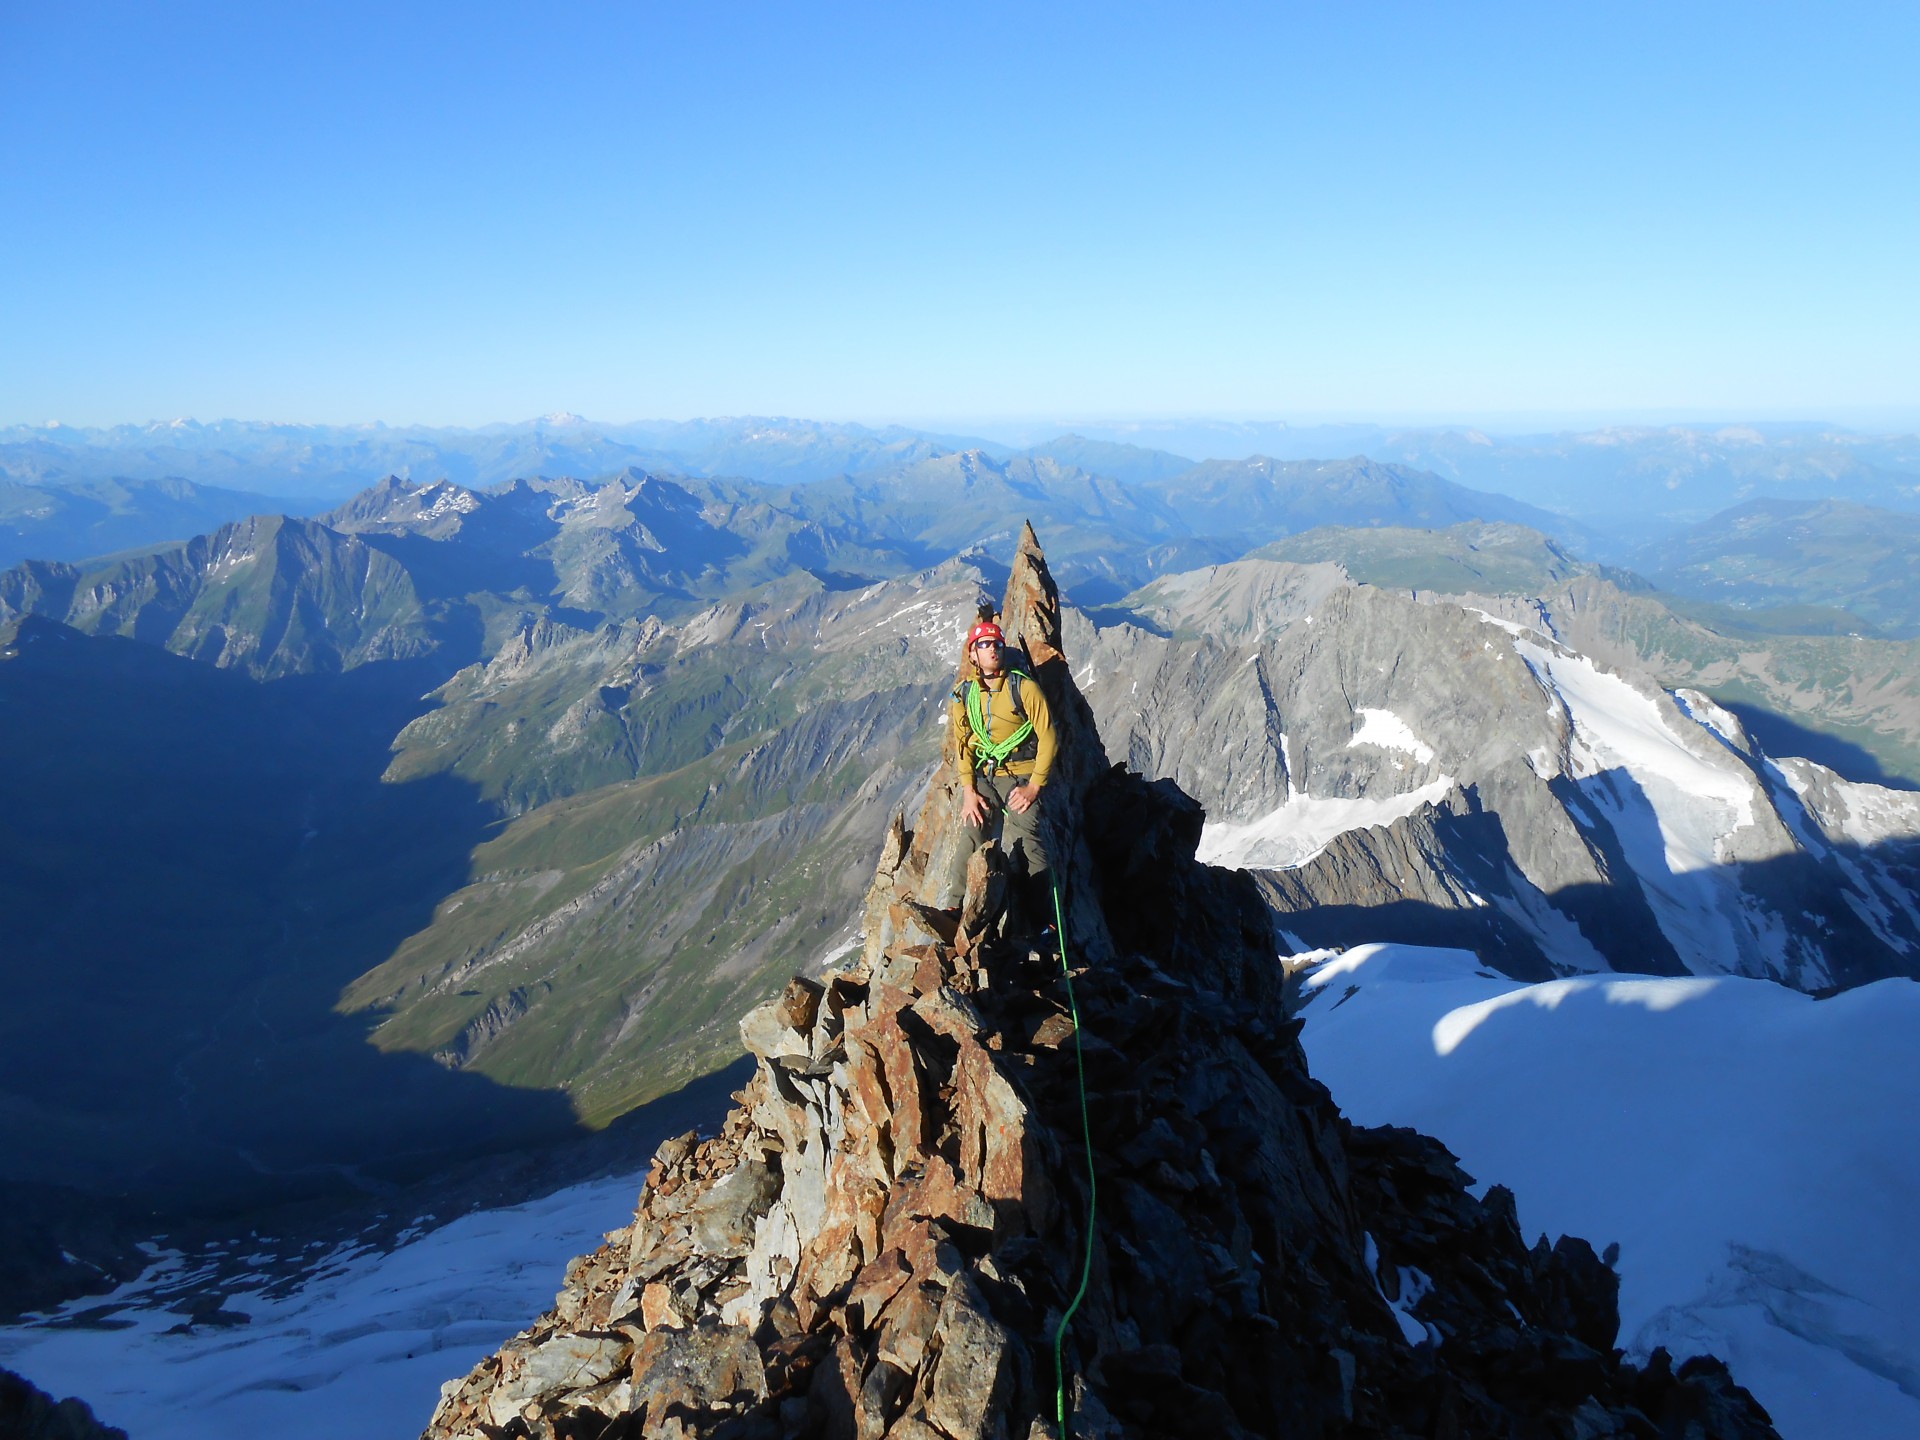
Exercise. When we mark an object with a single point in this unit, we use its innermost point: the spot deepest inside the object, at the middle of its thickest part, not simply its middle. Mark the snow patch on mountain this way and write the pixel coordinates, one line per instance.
(1388, 731)
(1306, 824)
(1729, 1134)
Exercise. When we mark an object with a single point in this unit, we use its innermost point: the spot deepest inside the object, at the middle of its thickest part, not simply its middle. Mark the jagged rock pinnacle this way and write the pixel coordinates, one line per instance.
(886, 1232)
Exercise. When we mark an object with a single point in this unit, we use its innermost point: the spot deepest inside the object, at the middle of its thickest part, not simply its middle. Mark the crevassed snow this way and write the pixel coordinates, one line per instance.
(1302, 827)
(1681, 812)
(362, 1349)
(1616, 727)
(1748, 1147)
(1389, 732)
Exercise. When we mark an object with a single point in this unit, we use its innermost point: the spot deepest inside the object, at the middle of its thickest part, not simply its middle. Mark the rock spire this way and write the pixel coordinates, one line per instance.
(883, 1236)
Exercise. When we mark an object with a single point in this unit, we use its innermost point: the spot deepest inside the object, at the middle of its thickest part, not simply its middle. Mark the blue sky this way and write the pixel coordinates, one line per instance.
(458, 214)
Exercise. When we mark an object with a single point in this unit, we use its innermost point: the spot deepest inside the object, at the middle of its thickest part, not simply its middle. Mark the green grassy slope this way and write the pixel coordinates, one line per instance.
(1770, 554)
(699, 807)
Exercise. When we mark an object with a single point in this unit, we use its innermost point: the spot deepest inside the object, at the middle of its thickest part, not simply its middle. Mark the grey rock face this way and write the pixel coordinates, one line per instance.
(1426, 771)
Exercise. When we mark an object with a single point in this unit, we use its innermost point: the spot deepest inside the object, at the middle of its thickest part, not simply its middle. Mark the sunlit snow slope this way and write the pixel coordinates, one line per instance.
(1749, 1148)
(360, 1349)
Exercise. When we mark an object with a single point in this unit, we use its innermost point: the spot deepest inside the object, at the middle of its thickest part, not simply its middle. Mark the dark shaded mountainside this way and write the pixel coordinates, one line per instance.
(29, 1413)
(890, 1229)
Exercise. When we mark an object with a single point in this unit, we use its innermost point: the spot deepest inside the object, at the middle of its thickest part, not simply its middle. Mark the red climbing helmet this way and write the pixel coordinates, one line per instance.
(985, 630)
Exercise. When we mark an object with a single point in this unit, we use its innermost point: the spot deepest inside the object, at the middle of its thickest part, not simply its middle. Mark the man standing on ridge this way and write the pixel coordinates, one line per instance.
(1006, 748)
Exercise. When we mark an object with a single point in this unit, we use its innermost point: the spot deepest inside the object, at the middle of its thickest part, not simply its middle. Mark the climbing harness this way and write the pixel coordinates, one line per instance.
(991, 754)
(1086, 1130)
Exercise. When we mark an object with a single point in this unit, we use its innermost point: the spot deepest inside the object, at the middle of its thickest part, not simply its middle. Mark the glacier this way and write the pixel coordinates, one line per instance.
(1745, 1145)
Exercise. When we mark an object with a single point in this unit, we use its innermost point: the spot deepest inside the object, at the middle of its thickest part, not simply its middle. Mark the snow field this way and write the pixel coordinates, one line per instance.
(360, 1350)
(1749, 1148)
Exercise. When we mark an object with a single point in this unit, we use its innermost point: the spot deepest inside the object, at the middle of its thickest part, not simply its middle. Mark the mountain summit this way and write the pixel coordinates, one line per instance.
(970, 1181)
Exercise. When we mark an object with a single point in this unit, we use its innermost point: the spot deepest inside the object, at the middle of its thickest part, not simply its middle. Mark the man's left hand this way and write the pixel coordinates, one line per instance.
(1023, 798)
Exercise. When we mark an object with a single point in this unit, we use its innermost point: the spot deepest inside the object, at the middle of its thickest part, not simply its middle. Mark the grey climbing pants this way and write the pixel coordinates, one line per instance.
(1019, 836)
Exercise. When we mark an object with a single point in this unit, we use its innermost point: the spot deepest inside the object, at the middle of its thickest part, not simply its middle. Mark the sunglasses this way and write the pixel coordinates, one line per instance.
(986, 644)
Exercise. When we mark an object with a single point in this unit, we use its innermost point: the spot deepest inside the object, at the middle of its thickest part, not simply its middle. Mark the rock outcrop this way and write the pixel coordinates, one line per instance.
(959, 1159)
(28, 1413)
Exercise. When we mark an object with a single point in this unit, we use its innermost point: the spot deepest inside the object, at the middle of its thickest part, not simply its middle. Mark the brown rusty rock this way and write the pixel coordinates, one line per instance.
(867, 1098)
(907, 1323)
(827, 1264)
(929, 1251)
(800, 1003)
(876, 1284)
(932, 969)
(705, 1368)
(986, 897)
(1053, 1031)
(893, 847)
(996, 1156)
(836, 1387)
(915, 925)
(931, 1191)
(913, 1426)
(657, 1310)
(671, 1154)
(911, 1128)
(561, 1364)
(1032, 604)
(973, 1374)
(949, 1013)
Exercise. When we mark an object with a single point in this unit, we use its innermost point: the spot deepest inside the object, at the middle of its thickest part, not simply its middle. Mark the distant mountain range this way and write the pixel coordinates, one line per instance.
(330, 462)
(1619, 481)
(101, 516)
(1616, 488)
(637, 541)
(1462, 769)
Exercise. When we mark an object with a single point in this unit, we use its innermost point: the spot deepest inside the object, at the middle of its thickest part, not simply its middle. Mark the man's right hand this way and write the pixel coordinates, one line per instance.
(973, 807)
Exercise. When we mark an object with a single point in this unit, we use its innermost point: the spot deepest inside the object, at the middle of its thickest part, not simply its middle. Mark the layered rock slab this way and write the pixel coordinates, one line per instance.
(884, 1235)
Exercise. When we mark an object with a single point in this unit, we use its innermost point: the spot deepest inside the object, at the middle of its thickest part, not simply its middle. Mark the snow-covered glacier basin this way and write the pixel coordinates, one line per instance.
(1749, 1148)
(360, 1348)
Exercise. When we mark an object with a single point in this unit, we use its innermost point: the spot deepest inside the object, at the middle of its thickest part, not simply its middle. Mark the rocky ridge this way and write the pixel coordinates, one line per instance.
(886, 1233)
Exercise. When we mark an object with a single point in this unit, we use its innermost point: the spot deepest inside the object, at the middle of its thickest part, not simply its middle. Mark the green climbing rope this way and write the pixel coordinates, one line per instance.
(1086, 1129)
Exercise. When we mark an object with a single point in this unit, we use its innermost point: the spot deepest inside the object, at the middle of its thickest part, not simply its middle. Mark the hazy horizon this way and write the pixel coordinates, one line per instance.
(1021, 431)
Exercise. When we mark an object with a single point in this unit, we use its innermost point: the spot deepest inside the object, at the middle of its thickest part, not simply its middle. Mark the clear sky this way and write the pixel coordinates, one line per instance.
(476, 212)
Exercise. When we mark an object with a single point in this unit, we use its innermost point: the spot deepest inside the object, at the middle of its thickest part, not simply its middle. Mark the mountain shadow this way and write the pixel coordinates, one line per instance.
(1781, 735)
(192, 866)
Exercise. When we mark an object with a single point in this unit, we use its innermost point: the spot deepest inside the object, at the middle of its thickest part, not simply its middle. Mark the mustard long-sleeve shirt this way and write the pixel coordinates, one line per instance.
(1002, 722)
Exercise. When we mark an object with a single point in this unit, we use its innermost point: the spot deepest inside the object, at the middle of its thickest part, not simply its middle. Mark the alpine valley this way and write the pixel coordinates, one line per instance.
(388, 870)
